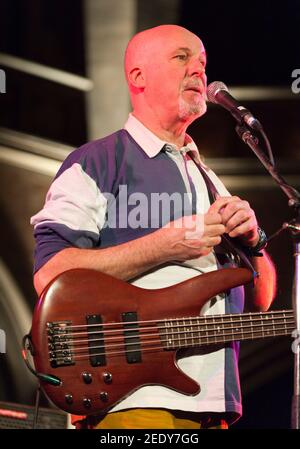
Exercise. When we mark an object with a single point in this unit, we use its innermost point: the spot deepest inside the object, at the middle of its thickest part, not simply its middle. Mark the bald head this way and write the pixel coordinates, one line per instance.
(144, 45)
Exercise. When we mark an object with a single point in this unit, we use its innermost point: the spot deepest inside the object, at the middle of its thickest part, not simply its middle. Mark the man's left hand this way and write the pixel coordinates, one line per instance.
(240, 220)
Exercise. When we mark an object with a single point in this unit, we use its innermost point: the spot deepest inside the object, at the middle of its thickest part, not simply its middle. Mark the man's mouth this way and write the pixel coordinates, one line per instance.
(196, 89)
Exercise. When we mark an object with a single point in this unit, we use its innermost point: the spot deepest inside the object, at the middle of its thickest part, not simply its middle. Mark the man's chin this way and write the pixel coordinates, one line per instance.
(188, 111)
(202, 109)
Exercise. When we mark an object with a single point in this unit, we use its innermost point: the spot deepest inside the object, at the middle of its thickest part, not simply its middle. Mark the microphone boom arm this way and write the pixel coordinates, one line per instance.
(247, 137)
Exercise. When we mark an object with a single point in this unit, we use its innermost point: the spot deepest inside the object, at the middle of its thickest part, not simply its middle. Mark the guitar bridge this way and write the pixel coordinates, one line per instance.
(60, 347)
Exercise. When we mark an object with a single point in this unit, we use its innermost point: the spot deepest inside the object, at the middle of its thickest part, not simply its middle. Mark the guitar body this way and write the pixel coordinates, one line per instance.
(95, 383)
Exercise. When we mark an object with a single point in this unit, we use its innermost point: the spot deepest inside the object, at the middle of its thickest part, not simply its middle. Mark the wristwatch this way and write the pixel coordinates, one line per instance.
(254, 251)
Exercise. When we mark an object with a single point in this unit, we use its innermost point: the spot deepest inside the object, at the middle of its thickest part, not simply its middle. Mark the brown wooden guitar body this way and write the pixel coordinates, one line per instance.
(76, 294)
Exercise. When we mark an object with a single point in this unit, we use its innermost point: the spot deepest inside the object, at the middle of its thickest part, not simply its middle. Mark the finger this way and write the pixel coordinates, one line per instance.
(220, 203)
(212, 218)
(237, 219)
(243, 228)
(208, 242)
(213, 241)
(187, 222)
(232, 208)
(214, 230)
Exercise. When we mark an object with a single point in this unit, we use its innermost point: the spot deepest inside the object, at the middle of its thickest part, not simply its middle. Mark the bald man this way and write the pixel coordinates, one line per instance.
(153, 154)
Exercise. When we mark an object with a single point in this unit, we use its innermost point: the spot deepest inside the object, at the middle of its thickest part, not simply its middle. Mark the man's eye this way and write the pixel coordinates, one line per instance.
(182, 57)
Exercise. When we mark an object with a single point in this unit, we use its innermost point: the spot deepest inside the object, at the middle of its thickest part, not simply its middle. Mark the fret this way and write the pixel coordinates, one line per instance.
(175, 334)
(172, 339)
(251, 325)
(231, 326)
(223, 328)
(214, 326)
(273, 324)
(241, 328)
(267, 329)
(262, 327)
(235, 319)
(218, 328)
(192, 331)
(182, 332)
(206, 330)
(199, 329)
(185, 332)
(167, 337)
(284, 320)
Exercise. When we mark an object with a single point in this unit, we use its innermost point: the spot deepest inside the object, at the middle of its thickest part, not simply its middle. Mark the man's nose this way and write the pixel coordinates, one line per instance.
(197, 68)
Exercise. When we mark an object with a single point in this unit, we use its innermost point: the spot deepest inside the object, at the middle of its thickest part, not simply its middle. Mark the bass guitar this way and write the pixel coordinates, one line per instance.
(99, 338)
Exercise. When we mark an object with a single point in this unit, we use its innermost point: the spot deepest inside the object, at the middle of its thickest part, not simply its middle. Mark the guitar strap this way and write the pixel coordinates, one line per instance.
(229, 247)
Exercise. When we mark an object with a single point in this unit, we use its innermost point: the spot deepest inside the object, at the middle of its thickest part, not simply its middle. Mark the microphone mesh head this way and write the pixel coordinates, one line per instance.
(213, 88)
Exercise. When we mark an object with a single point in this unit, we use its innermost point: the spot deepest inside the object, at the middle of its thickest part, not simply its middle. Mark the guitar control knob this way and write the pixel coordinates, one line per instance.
(87, 378)
(69, 399)
(87, 402)
(107, 377)
(104, 396)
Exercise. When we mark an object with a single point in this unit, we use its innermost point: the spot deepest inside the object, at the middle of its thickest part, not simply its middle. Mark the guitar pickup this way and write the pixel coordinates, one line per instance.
(132, 338)
(96, 340)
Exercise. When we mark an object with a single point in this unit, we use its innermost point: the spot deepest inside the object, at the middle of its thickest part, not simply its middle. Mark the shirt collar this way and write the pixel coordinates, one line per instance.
(152, 145)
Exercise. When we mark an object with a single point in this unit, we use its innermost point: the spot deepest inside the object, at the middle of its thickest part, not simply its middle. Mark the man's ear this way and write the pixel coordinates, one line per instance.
(136, 78)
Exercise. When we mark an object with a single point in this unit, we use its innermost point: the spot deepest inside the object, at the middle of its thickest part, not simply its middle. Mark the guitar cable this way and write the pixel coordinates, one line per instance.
(27, 346)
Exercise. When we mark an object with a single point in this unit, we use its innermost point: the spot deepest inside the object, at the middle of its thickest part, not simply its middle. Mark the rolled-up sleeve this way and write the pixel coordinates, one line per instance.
(73, 215)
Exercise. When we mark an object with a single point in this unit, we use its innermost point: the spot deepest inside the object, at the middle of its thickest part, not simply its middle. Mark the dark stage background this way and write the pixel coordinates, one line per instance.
(252, 46)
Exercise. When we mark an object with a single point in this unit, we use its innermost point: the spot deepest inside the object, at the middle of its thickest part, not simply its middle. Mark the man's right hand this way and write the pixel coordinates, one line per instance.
(193, 236)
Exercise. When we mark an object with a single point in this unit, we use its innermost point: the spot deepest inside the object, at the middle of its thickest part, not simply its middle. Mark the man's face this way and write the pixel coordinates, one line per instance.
(175, 76)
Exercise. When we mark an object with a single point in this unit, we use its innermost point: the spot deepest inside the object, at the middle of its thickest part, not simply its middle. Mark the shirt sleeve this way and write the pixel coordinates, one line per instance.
(73, 214)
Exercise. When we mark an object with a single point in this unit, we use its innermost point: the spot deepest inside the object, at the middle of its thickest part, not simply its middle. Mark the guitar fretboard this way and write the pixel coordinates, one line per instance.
(214, 329)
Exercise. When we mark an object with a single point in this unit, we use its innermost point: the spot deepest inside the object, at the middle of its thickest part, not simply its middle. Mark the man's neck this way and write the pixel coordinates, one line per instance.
(170, 131)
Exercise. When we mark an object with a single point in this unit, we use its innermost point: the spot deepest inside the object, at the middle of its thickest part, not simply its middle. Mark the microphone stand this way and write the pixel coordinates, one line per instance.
(294, 229)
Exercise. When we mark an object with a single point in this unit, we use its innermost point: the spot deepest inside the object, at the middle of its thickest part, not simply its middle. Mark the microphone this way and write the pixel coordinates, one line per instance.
(217, 92)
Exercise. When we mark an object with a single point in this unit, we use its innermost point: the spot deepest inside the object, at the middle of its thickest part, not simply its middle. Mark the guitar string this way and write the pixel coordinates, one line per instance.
(209, 317)
(174, 340)
(184, 332)
(160, 347)
(193, 321)
(171, 342)
(186, 328)
(157, 348)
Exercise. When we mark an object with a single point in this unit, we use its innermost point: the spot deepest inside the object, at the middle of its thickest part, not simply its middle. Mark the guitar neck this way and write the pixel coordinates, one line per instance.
(214, 329)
